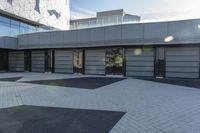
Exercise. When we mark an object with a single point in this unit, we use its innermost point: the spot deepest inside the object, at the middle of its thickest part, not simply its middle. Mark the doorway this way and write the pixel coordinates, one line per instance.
(115, 61)
(3, 60)
(78, 56)
(27, 61)
(49, 61)
(160, 62)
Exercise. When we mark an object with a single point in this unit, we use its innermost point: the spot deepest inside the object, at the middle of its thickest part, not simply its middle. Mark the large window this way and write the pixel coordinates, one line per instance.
(12, 27)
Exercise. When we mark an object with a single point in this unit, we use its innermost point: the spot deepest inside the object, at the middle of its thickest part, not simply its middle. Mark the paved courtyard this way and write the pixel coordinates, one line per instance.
(149, 107)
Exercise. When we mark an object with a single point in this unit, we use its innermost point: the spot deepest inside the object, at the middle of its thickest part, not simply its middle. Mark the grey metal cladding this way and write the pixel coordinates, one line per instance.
(181, 30)
(33, 39)
(154, 31)
(57, 37)
(16, 61)
(97, 34)
(196, 30)
(83, 36)
(141, 64)
(95, 61)
(184, 32)
(113, 33)
(63, 61)
(182, 62)
(38, 61)
(70, 37)
(8, 42)
(45, 38)
(132, 32)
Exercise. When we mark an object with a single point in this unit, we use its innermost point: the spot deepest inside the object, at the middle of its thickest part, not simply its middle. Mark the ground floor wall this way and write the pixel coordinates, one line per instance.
(140, 61)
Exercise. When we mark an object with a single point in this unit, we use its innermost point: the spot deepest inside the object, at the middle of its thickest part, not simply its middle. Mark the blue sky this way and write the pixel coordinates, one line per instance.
(149, 10)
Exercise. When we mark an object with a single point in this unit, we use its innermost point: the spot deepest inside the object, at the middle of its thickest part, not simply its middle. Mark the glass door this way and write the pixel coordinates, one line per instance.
(160, 62)
(115, 61)
(78, 61)
(49, 61)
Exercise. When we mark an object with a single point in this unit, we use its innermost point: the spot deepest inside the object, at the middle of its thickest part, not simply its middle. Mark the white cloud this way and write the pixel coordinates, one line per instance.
(78, 13)
(171, 10)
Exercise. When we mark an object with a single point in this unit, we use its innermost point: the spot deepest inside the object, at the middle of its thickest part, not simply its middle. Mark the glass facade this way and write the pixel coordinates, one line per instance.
(12, 27)
(103, 21)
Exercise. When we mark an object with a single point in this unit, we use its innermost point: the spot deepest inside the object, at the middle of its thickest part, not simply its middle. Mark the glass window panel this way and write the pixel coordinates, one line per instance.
(5, 29)
(4, 19)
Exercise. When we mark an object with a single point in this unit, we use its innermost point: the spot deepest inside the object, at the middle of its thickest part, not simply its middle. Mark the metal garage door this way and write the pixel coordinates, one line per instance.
(140, 62)
(182, 62)
(38, 63)
(16, 61)
(95, 61)
(63, 61)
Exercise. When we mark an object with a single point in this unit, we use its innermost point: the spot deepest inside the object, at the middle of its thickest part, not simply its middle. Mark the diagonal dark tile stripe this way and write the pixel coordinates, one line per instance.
(33, 119)
(12, 79)
(85, 83)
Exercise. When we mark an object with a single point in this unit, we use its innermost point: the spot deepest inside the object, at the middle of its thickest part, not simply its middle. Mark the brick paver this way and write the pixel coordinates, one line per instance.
(151, 107)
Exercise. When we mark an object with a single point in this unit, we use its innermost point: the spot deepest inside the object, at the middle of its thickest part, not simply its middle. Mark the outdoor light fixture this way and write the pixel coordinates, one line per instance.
(169, 39)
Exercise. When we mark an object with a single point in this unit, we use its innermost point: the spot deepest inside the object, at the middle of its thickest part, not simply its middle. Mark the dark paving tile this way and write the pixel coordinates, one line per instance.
(194, 83)
(13, 79)
(32, 119)
(85, 83)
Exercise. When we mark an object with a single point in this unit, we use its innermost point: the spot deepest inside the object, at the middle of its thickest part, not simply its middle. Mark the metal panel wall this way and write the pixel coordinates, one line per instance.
(38, 61)
(140, 62)
(16, 61)
(63, 61)
(182, 62)
(95, 61)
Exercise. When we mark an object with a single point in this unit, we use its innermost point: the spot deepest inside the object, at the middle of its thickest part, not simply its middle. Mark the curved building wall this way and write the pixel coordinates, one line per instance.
(51, 13)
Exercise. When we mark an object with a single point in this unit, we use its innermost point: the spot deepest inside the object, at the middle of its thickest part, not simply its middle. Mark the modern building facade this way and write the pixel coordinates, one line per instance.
(162, 49)
(105, 18)
(29, 16)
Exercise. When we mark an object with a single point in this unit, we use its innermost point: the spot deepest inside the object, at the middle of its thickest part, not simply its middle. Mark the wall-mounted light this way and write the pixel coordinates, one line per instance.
(169, 39)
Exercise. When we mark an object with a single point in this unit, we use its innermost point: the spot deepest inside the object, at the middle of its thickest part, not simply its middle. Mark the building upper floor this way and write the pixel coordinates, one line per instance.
(105, 18)
(159, 33)
(29, 16)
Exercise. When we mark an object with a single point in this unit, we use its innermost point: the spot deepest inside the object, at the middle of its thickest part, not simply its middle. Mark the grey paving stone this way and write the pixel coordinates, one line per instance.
(32, 119)
(85, 83)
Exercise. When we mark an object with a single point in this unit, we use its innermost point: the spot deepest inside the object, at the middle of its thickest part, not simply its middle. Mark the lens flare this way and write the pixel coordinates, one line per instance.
(138, 51)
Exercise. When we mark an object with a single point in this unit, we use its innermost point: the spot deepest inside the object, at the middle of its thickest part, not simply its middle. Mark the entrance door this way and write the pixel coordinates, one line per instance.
(3, 61)
(78, 61)
(49, 61)
(27, 61)
(115, 61)
(160, 62)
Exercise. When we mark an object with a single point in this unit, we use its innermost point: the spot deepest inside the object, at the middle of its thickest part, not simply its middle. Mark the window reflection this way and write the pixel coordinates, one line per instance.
(11, 27)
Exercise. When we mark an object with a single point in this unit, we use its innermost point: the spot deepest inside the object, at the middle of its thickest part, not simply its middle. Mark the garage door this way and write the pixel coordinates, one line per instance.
(63, 61)
(95, 61)
(38, 63)
(140, 62)
(16, 61)
(182, 62)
